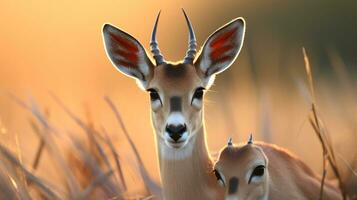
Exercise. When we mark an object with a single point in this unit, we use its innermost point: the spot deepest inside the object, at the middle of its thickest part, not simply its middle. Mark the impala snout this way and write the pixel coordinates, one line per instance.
(176, 133)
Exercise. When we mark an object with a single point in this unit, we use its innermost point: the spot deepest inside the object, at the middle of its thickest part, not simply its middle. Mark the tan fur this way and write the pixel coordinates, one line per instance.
(189, 178)
(286, 177)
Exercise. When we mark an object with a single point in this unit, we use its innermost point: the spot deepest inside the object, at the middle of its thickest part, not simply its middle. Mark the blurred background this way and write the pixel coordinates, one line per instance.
(56, 46)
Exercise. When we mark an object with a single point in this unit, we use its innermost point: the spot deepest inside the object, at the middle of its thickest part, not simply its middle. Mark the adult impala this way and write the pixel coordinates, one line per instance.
(176, 91)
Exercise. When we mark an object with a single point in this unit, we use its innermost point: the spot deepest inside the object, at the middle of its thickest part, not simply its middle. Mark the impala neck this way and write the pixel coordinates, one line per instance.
(186, 173)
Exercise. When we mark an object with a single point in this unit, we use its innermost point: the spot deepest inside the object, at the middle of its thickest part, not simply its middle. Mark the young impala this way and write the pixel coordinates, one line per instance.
(176, 91)
(263, 171)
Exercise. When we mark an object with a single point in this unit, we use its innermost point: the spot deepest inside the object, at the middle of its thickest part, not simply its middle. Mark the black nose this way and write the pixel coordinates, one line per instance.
(175, 131)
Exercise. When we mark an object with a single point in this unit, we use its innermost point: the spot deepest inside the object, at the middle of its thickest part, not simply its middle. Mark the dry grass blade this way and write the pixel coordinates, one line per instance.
(151, 186)
(309, 74)
(95, 183)
(91, 163)
(324, 173)
(40, 146)
(328, 152)
(70, 113)
(39, 151)
(6, 187)
(41, 185)
(116, 158)
(91, 133)
(38, 154)
(348, 165)
(21, 176)
(11, 185)
(72, 184)
(99, 150)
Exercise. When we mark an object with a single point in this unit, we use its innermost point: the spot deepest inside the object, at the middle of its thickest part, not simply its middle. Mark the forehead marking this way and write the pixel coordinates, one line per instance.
(233, 185)
(173, 71)
(175, 104)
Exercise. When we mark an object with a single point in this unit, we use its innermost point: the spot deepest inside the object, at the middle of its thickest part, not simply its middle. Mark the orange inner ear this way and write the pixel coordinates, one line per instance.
(128, 51)
(219, 44)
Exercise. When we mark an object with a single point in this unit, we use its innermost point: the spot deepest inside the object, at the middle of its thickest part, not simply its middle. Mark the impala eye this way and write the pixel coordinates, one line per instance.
(154, 95)
(258, 172)
(219, 178)
(198, 95)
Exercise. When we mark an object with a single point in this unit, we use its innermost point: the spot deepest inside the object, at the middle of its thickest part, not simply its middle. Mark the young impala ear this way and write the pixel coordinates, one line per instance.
(221, 48)
(127, 54)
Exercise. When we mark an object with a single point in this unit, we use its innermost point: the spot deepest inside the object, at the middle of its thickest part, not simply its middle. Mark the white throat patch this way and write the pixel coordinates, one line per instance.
(170, 153)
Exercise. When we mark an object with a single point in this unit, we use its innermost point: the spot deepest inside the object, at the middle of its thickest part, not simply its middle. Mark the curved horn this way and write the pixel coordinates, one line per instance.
(154, 46)
(192, 44)
(250, 140)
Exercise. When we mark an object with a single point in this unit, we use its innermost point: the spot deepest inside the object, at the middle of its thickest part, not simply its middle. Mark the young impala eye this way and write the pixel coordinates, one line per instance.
(219, 177)
(198, 95)
(258, 172)
(154, 95)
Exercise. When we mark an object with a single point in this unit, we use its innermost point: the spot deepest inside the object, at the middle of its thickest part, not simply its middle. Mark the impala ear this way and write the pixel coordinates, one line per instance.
(127, 54)
(221, 48)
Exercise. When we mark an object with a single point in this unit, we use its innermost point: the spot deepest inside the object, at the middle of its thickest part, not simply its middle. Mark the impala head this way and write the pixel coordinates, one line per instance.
(242, 171)
(176, 89)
